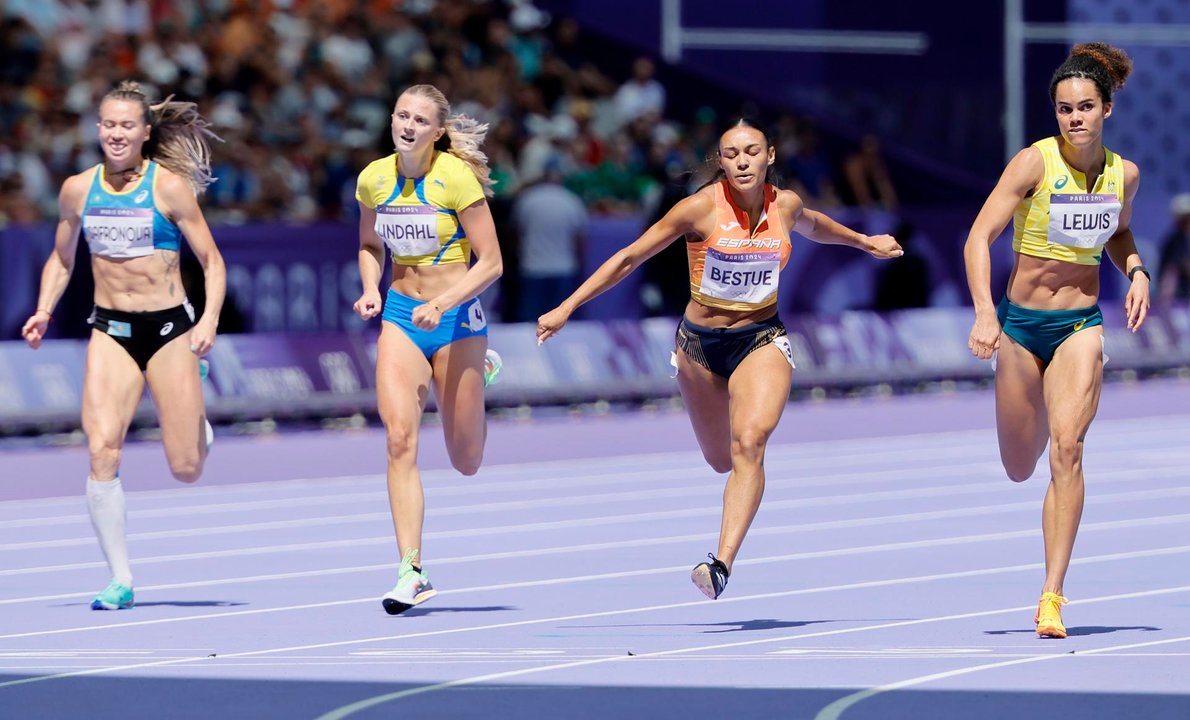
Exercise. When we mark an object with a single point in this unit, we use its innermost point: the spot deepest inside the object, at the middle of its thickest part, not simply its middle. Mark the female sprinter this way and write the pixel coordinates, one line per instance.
(733, 356)
(426, 203)
(1069, 198)
(134, 209)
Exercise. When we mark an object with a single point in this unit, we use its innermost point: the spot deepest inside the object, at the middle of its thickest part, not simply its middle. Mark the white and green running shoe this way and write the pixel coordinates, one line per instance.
(413, 587)
(492, 365)
(114, 597)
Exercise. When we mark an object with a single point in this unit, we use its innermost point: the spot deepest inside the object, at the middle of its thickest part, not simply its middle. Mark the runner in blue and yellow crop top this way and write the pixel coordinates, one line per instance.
(417, 218)
(425, 206)
(1070, 199)
(1064, 219)
(120, 224)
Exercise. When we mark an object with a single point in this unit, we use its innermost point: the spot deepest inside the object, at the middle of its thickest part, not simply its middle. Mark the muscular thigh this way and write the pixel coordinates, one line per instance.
(402, 378)
(759, 390)
(458, 385)
(1072, 384)
(174, 382)
(1020, 405)
(112, 388)
(708, 405)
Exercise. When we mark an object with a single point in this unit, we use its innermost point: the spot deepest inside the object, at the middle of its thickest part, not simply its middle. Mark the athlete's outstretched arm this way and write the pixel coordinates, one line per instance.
(823, 229)
(1121, 248)
(678, 221)
(371, 264)
(60, 264)
(1021, 176)
(179, 198)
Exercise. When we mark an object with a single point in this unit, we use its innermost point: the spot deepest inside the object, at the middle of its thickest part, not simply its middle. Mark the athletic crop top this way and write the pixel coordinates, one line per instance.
(121, 224)
(418, 218)
(1061, 220)
(733, 269)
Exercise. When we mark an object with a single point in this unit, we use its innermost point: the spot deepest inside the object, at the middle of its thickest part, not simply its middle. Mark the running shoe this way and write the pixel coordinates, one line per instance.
(1049, 616)
(114, 597)
(492, 365)
(413, 587)
(710, 577)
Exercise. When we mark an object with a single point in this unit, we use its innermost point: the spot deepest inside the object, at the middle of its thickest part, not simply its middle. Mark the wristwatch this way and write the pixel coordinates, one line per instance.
(1139, 268)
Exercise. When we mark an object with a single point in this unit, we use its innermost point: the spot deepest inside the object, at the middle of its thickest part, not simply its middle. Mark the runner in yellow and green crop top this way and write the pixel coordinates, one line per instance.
(733, 357)
(425, 205)
(1070, 199)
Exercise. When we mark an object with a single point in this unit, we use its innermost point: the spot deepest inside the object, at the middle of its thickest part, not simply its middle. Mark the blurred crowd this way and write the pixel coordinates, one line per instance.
(301, 92)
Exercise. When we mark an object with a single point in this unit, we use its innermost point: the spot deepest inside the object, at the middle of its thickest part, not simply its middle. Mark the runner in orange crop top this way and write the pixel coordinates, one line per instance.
(733, 358)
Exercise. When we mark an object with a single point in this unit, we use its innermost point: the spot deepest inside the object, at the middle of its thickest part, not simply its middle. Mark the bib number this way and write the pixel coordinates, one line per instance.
(740, 277)
(408, 230)
(1083, 221)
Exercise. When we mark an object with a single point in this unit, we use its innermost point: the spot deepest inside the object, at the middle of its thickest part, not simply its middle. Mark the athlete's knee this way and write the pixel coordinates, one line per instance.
(186, 469)
(719, 463)
(749, 443)
(468, 462)
(1065, 453)
(105, 456)
(401, 441)
(1019, 472)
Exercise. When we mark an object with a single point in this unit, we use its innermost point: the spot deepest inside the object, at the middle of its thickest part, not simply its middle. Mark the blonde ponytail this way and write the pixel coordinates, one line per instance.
(463, 137)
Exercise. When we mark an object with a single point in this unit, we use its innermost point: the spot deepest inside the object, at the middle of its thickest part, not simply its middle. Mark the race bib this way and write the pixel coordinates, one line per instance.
(740, 277)
(1085, 221)
(119, 232)
(408, 230)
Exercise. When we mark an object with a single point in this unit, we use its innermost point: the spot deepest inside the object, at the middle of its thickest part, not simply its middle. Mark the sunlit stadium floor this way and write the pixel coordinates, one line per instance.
(892, 572)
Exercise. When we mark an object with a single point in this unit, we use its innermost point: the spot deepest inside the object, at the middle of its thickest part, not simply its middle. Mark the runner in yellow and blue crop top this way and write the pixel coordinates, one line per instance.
(733, 357)
(1070, 199)
(425, 205)
(133, 210)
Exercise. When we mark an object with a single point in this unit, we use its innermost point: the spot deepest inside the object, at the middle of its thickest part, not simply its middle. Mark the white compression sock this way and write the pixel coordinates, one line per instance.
(105, 500)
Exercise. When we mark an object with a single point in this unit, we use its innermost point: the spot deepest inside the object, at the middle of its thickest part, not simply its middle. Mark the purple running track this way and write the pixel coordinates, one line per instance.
(891, 572)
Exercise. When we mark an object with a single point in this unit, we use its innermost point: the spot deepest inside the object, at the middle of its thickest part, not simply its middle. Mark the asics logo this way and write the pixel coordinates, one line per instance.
(166, 328)
(1061, 182)
(140, 196)
(1079, 325)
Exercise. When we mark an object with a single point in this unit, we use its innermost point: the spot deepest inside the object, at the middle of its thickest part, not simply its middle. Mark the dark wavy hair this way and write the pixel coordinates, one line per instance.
(1106, 66)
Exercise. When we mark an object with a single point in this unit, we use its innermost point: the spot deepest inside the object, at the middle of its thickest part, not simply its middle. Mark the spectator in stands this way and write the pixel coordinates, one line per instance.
(1174, 278)
(1072, 199)
(134, 209)
(551, 226)
(733, 358)
(641, 95)
(427, 202)
(868, 179)
(811, 171)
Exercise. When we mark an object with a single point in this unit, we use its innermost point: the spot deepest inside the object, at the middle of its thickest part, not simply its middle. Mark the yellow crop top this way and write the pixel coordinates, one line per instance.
(1062, 220)
(418, 218)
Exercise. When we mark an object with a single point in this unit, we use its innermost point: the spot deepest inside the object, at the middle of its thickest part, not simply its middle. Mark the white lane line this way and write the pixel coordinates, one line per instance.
(444, 482)
(613, 613)
(351, 709)
(1161, 432)
(387, 539)
(1112, 557)
(838, 707)
(1146, 522)
(948, 490)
